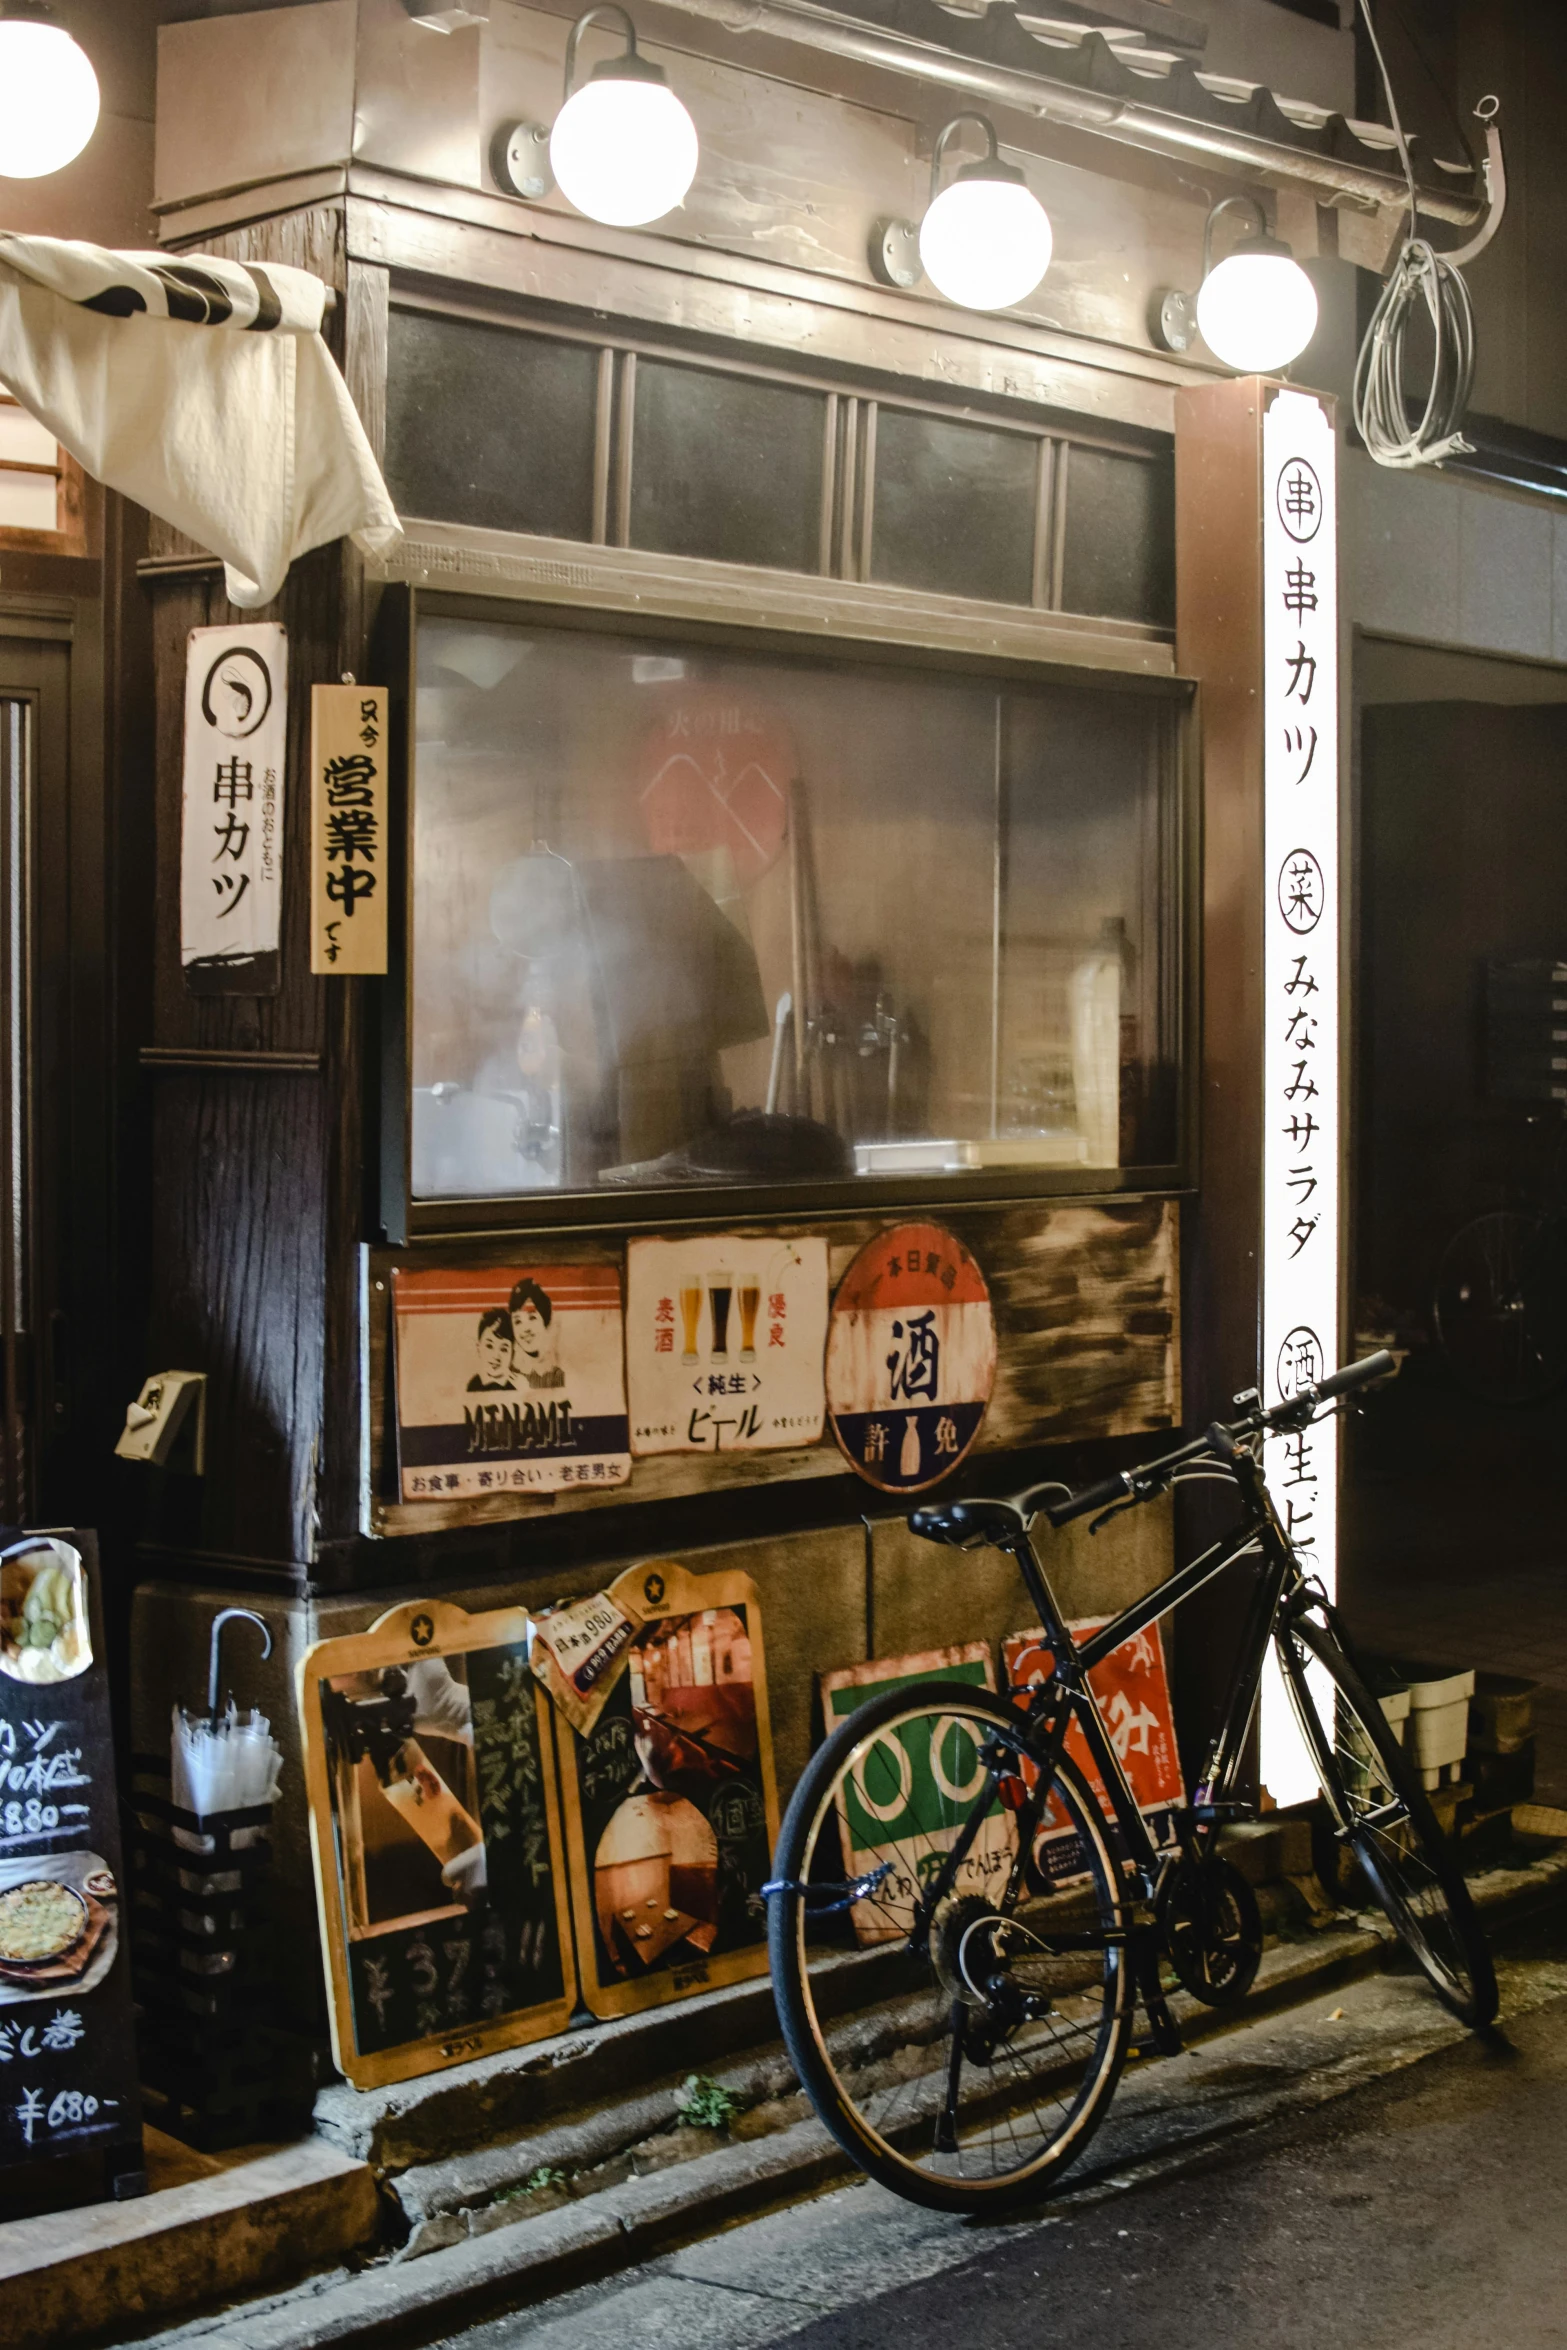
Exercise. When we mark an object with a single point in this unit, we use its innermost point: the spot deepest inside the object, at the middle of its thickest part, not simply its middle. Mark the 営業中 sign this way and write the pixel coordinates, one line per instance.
(349, 880)
(911, 1357)
(510, 1381)
(1300, 1132)
(724, 1341)
(231, 834)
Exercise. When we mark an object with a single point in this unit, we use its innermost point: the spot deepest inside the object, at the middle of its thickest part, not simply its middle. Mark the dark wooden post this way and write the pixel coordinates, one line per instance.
(1219, 633)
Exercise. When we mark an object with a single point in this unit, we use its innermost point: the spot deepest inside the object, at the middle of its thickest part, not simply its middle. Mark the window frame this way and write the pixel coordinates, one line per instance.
(403, 1218)
(853, 402)
(69, 537)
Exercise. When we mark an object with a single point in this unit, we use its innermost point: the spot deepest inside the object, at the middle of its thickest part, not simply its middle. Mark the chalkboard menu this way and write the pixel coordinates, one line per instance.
(670, 1802)
(68, 2086)
(429, 1764)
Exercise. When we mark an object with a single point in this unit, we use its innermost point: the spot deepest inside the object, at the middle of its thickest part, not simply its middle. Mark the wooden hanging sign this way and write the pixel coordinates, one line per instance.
(440, 1865)
(350, 881)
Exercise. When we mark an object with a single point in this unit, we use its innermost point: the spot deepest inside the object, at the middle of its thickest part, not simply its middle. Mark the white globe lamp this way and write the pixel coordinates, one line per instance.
(985, 240)
(623, 149)
(48, 92)
(1257, 308)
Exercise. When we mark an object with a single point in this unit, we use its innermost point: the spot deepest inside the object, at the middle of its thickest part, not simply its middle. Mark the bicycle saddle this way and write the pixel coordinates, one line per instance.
(968, 1525)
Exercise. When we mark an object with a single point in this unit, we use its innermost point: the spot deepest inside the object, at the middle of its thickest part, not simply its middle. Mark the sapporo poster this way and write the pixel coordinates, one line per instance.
(510, 1380)
(901, 1804)
(724, 1340)
(1132, 1692)
(231, 837)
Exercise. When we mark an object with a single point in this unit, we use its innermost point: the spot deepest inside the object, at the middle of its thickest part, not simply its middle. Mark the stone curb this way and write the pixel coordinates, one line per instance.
(533, 2259)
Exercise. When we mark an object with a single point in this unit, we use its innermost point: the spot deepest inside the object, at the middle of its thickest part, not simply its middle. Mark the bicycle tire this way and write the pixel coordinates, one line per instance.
(1383, 1815)
(1500, 1307)
(870, 2020)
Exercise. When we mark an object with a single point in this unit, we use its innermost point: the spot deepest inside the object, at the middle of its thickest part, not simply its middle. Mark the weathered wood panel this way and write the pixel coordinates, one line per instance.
(239, 1266)
(1086, 1325)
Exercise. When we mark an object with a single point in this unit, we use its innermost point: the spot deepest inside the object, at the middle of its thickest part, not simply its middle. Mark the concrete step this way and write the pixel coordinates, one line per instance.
(217, 2230)
(506, 2263)
(473, 2238)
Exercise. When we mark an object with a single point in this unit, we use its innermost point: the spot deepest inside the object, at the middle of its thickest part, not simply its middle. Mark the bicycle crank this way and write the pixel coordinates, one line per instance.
(1210, 1928)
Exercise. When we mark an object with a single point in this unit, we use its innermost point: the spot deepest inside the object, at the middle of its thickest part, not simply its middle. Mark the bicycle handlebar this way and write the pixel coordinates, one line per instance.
(969, 1525)
(1353, 1375)
(1104, 1495)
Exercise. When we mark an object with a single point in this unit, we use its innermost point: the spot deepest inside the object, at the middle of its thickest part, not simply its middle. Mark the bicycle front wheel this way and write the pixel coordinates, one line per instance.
(1501, 1306)
(1381, 1815)
(956, 2008)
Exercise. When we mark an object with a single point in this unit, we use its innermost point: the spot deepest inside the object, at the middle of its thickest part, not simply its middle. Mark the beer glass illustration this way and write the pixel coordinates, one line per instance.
(690, 1315)
(750, 1306)
(720, 1294)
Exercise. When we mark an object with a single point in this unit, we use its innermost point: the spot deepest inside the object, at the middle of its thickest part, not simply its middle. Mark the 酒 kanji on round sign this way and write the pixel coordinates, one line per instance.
(911, 1357)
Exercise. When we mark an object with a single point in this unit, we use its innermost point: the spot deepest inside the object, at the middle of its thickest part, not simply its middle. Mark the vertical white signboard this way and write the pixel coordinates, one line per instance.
(231, 841)
(1300, 1157)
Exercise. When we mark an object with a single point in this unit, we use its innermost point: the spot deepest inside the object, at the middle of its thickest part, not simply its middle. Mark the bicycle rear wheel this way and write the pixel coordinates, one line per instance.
(1500, 1307)
(961, 2050)
(1381, 1814)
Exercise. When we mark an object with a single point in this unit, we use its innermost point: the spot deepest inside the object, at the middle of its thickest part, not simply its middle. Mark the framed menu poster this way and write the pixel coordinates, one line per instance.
(671, 1806)
(440, 1867)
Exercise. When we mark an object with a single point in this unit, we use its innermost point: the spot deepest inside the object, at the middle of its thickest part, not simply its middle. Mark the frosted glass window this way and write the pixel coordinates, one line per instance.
(28, 501)
(688, 916)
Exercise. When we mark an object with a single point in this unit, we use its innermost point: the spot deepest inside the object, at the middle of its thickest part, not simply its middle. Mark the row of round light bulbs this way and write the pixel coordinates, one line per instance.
(624, 151)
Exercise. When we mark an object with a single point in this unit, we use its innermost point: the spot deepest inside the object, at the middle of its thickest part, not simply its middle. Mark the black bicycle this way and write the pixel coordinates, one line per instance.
(960, 1935)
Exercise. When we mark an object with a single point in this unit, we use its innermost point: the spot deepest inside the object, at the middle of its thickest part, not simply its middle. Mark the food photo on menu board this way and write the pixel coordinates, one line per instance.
(671, 1807)
(509, 1381)
(68, 2073)
(440, 1867)
(724, 1340)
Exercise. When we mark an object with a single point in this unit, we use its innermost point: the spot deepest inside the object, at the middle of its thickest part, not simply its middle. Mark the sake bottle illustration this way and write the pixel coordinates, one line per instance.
(909, 1457)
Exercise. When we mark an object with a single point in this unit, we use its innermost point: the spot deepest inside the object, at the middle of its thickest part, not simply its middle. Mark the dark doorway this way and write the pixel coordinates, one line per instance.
(1455, 1523)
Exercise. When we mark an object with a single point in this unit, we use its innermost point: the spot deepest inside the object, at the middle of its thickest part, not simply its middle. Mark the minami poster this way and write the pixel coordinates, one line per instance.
(510, 1381)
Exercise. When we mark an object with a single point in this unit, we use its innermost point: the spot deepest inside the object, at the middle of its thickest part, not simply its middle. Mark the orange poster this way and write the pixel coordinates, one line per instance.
(1132, 1692)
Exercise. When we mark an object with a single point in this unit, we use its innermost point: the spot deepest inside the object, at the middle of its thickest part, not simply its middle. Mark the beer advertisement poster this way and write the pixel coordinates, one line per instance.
(724, 1342)
(509, 1381)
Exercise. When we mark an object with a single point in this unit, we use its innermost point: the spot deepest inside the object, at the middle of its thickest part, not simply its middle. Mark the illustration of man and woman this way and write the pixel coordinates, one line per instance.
(517, 1345)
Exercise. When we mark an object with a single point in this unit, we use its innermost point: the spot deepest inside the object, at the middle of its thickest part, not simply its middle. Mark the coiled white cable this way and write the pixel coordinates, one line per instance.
(1419, 274)
(1382, 416)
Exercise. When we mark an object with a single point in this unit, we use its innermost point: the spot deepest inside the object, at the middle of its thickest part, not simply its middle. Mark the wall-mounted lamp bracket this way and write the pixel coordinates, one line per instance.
(895, 253)
(166, 1426)
(520, 160)
(1172, 319)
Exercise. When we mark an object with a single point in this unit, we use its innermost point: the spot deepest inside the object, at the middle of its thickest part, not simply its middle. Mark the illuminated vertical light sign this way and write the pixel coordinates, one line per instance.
(1300, 1156)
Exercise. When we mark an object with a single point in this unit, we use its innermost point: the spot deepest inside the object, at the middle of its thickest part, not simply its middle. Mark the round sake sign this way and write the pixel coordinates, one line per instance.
(911, 1358)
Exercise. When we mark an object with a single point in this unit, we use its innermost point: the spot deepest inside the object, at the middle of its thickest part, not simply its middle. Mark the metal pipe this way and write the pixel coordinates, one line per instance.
(1128, 124)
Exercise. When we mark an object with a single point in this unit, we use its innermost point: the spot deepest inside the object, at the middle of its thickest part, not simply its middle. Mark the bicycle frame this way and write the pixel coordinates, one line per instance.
(1066, 1697)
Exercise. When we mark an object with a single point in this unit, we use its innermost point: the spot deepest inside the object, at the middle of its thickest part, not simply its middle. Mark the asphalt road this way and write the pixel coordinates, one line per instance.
(1429, 2210)
(1356, 2174)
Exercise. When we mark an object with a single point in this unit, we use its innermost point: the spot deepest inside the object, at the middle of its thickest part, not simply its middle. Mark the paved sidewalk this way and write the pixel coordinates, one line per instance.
(1328, 2220)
